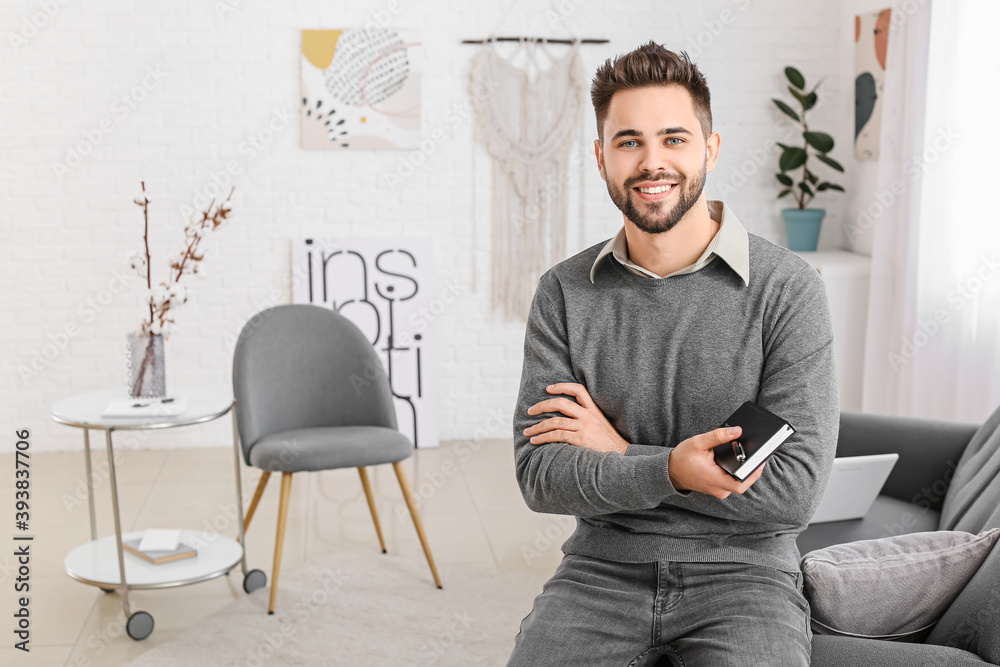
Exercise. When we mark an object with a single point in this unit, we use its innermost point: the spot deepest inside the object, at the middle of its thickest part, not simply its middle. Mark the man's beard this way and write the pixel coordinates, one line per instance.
(657, 221)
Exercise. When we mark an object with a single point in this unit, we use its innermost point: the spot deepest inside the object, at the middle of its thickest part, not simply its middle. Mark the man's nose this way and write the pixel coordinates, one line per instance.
(653, 160)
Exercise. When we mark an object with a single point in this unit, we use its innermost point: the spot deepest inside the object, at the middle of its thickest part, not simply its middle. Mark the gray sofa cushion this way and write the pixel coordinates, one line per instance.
(830, 651)
(973, 502)
(887, 517)
(893, 587)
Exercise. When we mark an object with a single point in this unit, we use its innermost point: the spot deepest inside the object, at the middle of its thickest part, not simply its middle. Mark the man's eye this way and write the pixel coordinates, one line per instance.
(677, 139)
(625, 144)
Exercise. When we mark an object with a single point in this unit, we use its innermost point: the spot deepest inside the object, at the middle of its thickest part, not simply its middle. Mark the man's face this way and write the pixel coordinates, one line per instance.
(655, 157)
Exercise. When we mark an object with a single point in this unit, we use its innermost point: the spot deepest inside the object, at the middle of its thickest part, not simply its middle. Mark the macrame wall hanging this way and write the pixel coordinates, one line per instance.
(527, 124)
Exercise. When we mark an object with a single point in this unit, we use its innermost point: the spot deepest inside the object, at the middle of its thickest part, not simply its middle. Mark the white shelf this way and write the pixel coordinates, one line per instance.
(96, 562)
(846, 276)
(839, 263)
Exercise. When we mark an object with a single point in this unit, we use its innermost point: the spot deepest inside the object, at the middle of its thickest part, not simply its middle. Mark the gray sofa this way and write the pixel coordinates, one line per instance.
(922, 485)
(912, 498)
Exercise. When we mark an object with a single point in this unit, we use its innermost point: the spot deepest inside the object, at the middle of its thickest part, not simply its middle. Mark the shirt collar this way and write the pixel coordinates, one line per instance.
(731, 243)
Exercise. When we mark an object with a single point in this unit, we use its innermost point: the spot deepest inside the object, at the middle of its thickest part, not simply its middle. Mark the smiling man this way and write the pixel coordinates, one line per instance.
(636, 350)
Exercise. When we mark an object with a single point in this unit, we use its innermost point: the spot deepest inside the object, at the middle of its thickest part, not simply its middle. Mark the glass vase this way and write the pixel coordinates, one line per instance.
(146, 371)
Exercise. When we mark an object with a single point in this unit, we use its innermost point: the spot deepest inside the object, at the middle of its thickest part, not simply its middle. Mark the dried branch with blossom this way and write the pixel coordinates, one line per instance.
(169, 295)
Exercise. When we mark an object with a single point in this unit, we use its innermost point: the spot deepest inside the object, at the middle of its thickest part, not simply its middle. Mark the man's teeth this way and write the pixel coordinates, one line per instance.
(657, 190)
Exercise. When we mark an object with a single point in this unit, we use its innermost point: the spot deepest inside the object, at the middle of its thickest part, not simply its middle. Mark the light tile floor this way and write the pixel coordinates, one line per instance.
(466, 492)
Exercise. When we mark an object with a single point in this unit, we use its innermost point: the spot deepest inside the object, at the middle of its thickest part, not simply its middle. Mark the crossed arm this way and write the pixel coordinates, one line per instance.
(570, 460)
(691, 465)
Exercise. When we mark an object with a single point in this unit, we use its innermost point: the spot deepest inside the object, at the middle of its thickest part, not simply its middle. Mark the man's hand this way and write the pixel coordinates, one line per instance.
(583, 426)
(692, 465)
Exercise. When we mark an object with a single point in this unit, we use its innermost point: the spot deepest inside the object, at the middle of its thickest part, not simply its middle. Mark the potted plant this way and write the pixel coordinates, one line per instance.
(802, 223)
(144, 354)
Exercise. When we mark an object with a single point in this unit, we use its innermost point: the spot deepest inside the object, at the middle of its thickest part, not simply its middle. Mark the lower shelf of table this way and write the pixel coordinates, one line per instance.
(96, 562)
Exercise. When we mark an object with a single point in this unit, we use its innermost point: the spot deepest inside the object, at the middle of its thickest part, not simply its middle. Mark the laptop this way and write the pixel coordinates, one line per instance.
(854, 484)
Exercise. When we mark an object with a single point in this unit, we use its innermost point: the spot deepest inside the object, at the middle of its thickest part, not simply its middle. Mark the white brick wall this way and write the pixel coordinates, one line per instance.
(224, 77)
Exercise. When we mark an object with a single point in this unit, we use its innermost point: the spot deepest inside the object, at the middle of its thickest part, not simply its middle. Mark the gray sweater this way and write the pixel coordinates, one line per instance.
(665, 360)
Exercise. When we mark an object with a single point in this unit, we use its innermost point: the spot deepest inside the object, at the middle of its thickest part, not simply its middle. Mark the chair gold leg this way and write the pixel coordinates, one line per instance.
(408, 495)
(371, 504)
(264, 476)
(279, 540)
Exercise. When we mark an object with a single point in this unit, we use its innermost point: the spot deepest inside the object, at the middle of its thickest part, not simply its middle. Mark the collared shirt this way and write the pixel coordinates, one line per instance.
(730, 243)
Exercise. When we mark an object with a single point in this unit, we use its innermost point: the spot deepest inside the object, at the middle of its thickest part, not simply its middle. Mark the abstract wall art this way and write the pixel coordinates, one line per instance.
(382, 286)
(360, 89)
(871, 43)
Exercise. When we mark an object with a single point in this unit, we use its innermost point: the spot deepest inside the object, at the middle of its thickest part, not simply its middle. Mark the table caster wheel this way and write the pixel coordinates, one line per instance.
(108, 590)
(139, 626)
(255, 579)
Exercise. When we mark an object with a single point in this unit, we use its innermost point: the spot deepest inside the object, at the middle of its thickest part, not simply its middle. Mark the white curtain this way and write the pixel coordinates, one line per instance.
(933, 340)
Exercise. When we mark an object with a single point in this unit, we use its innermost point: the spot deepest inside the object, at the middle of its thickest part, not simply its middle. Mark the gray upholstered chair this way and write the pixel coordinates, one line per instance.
(311, 394)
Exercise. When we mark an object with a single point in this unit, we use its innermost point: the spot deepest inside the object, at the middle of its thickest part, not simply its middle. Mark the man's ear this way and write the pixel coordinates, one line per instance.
(599, 154)
(712, 151)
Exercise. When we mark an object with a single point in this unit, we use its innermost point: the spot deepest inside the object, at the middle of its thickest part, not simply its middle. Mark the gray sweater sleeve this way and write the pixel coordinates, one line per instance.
(798, 383)
(557, 477)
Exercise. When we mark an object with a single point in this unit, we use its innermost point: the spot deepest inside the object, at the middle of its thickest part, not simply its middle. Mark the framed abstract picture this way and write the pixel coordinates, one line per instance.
(871, 44)
(360, 89)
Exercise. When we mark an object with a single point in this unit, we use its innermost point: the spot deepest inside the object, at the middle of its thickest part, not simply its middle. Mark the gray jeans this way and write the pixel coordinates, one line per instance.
(606, 614)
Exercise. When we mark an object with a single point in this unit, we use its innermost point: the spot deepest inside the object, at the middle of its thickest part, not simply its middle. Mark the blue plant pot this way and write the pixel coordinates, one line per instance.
(803, 227)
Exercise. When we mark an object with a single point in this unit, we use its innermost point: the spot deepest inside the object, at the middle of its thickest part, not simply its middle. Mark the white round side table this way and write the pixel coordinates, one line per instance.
(103, 562)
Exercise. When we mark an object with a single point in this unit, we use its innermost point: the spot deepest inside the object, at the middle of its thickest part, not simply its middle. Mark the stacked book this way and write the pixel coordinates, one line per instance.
(160, 546)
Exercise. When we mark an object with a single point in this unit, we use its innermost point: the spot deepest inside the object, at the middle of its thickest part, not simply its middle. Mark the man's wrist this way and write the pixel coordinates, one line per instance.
(670, 476)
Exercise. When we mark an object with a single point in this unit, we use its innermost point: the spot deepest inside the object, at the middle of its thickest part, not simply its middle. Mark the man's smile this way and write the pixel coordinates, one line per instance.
(651, 192)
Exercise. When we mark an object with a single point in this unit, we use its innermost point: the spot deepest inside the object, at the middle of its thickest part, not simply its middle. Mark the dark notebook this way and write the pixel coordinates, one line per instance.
(763, 431)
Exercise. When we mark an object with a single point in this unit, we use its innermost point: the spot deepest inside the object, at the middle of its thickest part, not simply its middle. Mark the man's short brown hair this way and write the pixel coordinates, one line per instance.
(650, 65)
